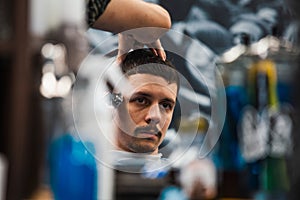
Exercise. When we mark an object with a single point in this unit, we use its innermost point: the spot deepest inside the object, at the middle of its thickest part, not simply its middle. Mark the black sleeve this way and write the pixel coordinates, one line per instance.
(94, 9)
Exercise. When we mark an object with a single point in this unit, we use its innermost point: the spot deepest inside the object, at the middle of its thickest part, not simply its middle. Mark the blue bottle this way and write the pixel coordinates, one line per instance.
(73, 172)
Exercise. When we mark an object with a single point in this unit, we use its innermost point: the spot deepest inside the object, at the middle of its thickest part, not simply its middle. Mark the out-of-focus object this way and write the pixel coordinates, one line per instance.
(193, 178)
(212, 34)
(46, 16)
(250, 25)
(5, 20)
(266, 130)
(73, 169)
(3, 176)
(199, 179)
(57, 79)
(54, 24)
(294, 161)
(263, 119)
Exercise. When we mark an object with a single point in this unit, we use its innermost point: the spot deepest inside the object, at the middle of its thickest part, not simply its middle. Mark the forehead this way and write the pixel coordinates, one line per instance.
(152, 84)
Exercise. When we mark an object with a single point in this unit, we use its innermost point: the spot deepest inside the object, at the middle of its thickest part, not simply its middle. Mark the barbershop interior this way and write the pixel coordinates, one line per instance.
(233, 132)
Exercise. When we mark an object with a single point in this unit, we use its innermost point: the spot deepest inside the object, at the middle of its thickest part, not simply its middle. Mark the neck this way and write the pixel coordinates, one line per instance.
(120, 148)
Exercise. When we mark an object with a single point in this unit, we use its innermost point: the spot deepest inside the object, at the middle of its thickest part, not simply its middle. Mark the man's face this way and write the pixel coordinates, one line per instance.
(145, 114)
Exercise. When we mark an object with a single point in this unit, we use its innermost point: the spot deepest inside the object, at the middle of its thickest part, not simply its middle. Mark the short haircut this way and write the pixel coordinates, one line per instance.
(144, 61)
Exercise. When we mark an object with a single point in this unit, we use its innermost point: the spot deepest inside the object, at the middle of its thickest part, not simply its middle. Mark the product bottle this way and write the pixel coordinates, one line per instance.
(266, 132)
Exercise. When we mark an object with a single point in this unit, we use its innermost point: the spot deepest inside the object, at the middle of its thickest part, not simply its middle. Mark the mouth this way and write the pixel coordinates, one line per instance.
(147, 133)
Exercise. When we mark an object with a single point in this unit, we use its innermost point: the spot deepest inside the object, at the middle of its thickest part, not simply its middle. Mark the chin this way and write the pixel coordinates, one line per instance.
(144, 148)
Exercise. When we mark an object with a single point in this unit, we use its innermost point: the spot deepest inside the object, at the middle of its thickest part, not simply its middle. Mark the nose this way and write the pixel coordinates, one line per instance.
(153, 115)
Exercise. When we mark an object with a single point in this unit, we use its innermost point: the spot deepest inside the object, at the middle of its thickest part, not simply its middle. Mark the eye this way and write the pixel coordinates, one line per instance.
(141, 101)
(166, 106)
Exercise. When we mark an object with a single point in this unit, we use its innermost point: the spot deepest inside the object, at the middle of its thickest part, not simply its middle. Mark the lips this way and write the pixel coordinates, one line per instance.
(147, 133)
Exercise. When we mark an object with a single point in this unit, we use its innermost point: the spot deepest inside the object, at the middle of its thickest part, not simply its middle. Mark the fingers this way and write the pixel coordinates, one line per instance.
(127, 42)
(120, 57)
(161, 53)
(154, 51)
(157, 49)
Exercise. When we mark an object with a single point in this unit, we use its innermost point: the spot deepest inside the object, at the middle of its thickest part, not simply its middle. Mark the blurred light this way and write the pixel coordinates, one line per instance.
(59, 51)
(64, 86)
(265, 45)
(232, 54)
(261, 47)
(274, 42)
(50, 87)
(45, 93)
(49, 81)
(48, 84)
(48, 50)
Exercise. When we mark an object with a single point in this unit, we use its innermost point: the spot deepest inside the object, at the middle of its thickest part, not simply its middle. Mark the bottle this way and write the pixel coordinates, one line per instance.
(265, 147)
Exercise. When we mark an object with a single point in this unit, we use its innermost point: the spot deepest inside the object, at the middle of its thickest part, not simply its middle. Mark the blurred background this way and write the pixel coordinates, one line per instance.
(254, 47)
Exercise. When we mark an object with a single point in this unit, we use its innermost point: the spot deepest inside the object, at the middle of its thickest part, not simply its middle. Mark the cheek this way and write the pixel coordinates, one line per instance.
(166, 121)
(124, 121)
(136, 115)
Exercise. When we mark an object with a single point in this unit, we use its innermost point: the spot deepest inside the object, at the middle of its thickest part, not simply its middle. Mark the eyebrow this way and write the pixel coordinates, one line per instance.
(149, 95)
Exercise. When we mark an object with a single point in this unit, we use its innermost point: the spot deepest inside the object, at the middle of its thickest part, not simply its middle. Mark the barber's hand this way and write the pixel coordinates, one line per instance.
(158, 49)
(128, 42)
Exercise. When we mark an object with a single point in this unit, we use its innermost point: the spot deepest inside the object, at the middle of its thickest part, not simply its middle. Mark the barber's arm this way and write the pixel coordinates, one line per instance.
(122, 15)
(127, 16)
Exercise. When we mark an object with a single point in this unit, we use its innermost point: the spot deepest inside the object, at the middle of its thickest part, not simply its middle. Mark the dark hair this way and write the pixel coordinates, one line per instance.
(144, 61)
